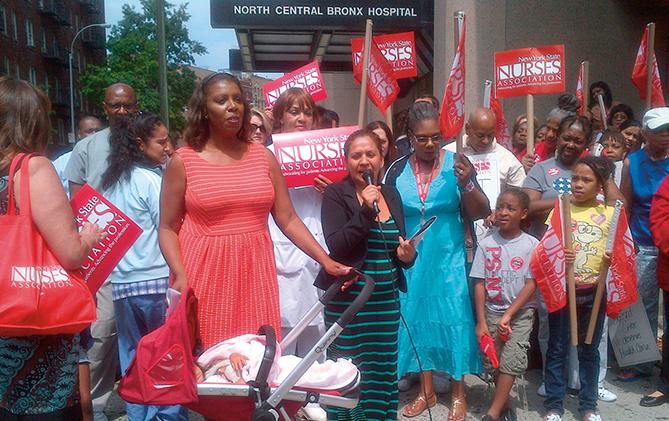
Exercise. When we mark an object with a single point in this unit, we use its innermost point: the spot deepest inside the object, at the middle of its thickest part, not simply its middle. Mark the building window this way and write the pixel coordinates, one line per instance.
(15, 27)
(30, 38)
(3, 20)
(32, 76)
(4, 69)
(45, 46)
(18, 71)
(61, 131)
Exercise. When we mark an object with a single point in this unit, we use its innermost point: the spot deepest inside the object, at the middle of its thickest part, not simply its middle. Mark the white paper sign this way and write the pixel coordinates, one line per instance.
(487, 175)
(631, 337)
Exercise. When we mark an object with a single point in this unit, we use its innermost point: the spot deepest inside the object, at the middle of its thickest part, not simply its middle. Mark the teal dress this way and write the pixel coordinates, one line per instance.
(370, 340)
(437, 307)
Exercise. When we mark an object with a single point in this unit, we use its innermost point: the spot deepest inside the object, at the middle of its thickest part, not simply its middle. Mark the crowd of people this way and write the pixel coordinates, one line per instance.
(217, 217)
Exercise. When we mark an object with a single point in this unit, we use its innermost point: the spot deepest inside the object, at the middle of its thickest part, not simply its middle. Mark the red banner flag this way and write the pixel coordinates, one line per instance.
(502, 129)
(579, 91)
(549, 268)
(452, 115)
(399, 49)
(639, 75)
(382, 87)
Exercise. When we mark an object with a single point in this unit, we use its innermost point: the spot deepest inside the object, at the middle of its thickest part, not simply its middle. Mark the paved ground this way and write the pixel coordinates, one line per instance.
(626, 408)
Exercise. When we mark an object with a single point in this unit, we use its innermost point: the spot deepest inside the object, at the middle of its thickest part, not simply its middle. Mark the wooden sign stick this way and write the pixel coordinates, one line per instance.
(362, 108)
(565, 201)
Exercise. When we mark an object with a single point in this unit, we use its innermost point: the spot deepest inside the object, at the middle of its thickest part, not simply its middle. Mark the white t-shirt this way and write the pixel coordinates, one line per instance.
(504, 267)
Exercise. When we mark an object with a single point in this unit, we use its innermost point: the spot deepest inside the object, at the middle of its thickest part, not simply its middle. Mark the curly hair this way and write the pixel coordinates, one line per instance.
(24, 118)
(197, 126)
(124, 151)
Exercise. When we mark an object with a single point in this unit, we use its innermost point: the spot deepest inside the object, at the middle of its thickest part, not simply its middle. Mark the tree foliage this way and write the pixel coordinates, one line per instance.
(132, 58)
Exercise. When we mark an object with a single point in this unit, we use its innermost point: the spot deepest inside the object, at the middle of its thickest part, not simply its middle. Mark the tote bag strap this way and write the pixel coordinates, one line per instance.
(24, 186)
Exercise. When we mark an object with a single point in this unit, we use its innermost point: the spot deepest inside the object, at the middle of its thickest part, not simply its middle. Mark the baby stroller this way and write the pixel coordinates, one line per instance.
(162, 371)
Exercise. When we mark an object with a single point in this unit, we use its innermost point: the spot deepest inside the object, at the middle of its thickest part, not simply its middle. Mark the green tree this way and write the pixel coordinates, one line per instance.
(132, 58)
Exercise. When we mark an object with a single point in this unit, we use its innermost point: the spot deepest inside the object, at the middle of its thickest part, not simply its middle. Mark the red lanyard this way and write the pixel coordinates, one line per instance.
(423, 188)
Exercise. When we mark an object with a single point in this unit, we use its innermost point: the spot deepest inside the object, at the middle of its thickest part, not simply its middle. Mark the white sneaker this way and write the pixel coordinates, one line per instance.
(541, 391)
(314, 412)
(553, 417)
(605, 395)
(591, 416)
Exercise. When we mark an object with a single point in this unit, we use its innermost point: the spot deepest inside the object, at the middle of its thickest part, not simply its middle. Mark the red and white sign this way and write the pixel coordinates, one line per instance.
(122, 232)
(452, 115)
(399, 49)
(304, 155)
(306, 77)
(535, 70)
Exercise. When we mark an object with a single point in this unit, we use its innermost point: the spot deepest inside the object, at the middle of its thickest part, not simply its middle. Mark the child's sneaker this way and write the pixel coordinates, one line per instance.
(606, 395)
(552, 416)
(591, 416)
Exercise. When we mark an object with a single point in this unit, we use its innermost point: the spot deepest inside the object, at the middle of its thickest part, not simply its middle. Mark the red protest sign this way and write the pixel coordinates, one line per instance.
(536, 70)
(89, 206)
(399, 49)
(304, 155)
(382, 87)
(306, 77)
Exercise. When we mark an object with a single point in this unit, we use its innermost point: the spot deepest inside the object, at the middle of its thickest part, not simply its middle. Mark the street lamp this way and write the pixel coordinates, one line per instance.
(103, 25)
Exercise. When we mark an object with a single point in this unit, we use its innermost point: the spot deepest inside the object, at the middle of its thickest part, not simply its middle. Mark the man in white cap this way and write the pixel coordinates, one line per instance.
(643, 172)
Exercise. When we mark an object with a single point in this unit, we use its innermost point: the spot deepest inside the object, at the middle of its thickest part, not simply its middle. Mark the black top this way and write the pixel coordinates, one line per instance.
(346, 225)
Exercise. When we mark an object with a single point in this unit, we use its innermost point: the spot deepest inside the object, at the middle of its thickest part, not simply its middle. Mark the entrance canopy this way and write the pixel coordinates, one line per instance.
(282, 35)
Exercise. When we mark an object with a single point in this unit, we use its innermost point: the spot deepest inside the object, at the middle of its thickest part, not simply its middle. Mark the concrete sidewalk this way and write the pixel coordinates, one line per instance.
(626, 408)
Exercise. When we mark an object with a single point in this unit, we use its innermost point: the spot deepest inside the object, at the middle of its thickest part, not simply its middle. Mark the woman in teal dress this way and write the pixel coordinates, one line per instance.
(437, 306)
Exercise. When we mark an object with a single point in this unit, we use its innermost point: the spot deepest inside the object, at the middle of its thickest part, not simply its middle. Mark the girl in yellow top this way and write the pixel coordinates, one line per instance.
(591, 221)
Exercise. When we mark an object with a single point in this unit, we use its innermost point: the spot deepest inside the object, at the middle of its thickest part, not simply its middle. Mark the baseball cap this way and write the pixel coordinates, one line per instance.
(655, 118)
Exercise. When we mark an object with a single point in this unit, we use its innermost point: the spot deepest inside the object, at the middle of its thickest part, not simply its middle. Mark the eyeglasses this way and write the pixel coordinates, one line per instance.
(435, 138)
(118, 107)
(255, 127)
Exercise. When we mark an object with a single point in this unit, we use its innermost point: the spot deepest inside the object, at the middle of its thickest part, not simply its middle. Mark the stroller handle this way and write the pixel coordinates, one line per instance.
(359, 301)
(270, 351)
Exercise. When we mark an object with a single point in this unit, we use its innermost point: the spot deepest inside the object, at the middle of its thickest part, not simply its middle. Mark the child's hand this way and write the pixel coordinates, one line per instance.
(606, 259)
(569, 256)
(481, 330)
(238, 361)
(489, 221)
(504, 325)
(199, 375)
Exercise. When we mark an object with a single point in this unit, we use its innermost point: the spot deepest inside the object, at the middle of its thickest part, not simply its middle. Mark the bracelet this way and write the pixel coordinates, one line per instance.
(468, 188)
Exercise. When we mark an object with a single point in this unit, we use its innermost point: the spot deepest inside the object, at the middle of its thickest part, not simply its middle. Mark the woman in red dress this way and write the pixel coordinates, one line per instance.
(216, 198)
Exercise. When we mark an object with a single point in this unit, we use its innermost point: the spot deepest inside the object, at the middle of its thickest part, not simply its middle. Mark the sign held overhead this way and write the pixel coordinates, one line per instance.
(535, 70)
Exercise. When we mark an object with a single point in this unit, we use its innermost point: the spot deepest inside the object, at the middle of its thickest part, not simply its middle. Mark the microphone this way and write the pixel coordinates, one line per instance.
(367, 176)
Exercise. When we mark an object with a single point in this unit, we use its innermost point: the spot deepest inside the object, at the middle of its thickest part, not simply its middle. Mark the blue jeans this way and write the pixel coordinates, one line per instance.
(557, 355)
(136, 317)
(646, 270)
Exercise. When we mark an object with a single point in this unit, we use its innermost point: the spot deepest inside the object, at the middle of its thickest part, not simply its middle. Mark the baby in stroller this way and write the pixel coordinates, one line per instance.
(237, 360)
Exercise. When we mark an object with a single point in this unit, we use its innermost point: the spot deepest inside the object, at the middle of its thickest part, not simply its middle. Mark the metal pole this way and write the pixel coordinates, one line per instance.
(71, 58)
(162, 61)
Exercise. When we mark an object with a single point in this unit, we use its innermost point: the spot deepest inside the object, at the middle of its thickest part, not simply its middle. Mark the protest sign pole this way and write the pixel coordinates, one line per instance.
(487, 88)
(365, 72)
(602, 110)
(389, 117)
(650, 57)
(603, 273)
(565, 202)
(458, 20)
(530, 124)
(585, 84)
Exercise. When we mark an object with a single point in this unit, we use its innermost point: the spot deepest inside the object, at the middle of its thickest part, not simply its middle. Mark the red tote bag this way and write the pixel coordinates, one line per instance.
(162, 370)
(37, 296)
